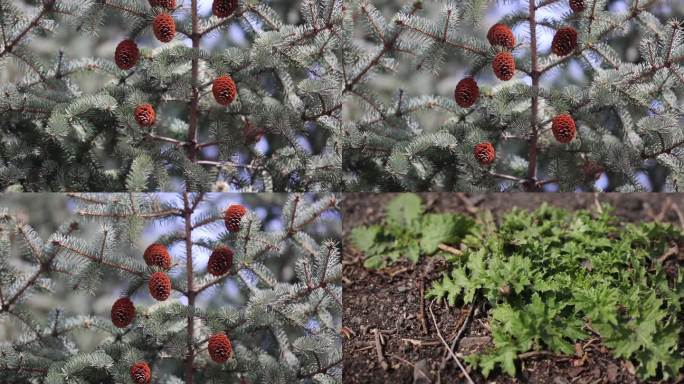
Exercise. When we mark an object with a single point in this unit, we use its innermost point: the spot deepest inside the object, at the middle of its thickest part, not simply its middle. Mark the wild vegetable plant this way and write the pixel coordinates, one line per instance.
(407, 231)
(551, 278)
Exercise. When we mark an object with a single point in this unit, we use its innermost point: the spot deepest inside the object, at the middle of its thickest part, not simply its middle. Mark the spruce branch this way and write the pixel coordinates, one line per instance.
(534, 108)
(564, 127)
(281, 311)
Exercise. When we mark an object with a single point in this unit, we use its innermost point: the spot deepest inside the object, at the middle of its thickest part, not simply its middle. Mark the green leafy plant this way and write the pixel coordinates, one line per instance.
(407, 231)
(553, 277)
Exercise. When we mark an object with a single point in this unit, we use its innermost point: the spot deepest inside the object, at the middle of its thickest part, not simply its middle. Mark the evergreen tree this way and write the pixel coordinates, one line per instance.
(173, 107)
(601, 93)
(176, 321)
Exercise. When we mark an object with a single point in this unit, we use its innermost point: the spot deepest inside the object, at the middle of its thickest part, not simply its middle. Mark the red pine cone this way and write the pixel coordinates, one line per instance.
(224, 90)
(219, 347)
(160, 286)
(144, 115)
(563, 127)
(503, 65)
(123, 312)
(466, 92)
(252, 134)
(224, 8)
(484, 153)
(168, 4)
(140, 373)
(501, 34)
(220, 261)
(126, 54)
(157, 255)
(564, 41)
(232, 217)
(577, 5)
(164, 27)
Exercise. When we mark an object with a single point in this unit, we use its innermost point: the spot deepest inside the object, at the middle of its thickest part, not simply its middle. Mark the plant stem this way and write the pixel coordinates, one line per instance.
(535, 74)
(194, 100)
(187, 217)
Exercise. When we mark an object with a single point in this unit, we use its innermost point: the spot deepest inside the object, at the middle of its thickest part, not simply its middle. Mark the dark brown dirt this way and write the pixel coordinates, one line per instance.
(389, 301)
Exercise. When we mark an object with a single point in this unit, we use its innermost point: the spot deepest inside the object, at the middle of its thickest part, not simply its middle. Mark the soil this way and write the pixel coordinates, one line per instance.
(385, 307)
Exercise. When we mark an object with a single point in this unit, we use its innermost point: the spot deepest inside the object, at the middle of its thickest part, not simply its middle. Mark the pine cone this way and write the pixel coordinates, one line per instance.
(466, 92)
(224, 90)
(220, 261)
(157, 255)
(503, 65)
(160, 286)
(563, 127)
(577, 5)
(252, 134)
(484, 153)
(126, 54)
(220, 348)
(164, 27)
(232, 217)
(501, 34)
(564, 41)
(224, 8)
(144, 115)
(168, 4)
(123, 312)
(140, 373)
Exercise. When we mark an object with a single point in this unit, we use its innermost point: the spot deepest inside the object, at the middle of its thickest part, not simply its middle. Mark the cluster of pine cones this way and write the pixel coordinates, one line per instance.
(503, 65)
(127, 55)
(159, 284)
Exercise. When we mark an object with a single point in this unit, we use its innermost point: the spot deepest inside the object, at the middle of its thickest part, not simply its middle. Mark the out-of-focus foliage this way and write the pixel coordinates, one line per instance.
(407, 232)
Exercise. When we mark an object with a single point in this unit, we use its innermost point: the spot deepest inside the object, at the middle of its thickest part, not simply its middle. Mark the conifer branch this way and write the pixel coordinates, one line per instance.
(31, 25)
(44, 267)
(191, 293)
(194, 98)
(98, 259)
(123, 9)
(320, 370)
(178, 330)
(534, 109)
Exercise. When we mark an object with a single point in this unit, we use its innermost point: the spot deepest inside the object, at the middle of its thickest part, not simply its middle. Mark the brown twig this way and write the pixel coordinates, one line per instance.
(450, 350)
(467, 203)
(597, 204)
(379, 352)
(421, 314)
(464, 326)
(680, 216)
(664, 210)
(422, 373)
(533, 354)
(674, 250)
(450, 249)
